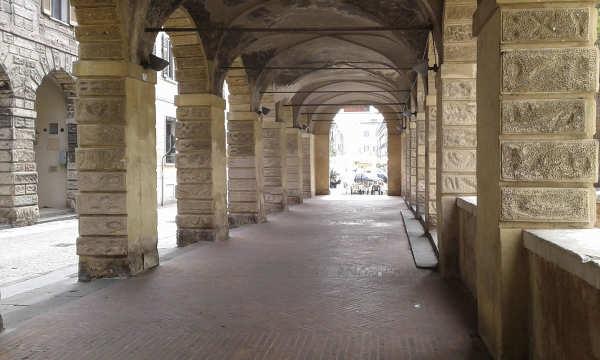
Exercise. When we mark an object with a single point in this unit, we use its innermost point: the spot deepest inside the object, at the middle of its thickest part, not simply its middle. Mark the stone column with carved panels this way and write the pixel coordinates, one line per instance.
(456, 131)
(406, 160)
(116, 160)
(431, 152)
(201, 174)
(245, 156)
(537, 79)
(412, 126)
(308, 165)
(421, 146)
(275, 160)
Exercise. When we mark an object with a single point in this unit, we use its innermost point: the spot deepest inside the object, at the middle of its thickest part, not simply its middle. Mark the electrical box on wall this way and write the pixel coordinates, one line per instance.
(62, 158)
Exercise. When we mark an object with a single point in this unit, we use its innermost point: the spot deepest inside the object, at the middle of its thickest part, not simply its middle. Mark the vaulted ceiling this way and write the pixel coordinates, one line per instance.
(315, 67)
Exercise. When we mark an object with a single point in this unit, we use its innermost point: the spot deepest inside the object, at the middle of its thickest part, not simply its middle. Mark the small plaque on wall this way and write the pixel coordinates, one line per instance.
(53, 128)
(53, 145)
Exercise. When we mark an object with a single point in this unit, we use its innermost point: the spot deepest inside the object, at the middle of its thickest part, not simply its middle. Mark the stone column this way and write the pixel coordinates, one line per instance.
(18, 173)
(456, 132)
(412, 126)
(430, 153)
(294, 165)
(421, 146)
(406, 166)
(537, 79)
(396, 160)
(308, 165)
(116, 160)
(201, 175)
(275, 162)
(322, 163)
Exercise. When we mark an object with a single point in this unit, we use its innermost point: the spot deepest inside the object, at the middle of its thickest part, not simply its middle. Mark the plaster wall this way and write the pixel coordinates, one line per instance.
(322, 164)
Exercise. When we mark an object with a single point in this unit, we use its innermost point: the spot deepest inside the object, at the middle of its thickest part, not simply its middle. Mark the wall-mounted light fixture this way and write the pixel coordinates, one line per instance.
(423, 67)
(409, 113)
(263, 111)
(155, 63)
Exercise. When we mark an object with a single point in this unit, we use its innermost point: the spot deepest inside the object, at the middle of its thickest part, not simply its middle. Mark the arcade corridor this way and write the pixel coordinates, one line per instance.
(330, 279)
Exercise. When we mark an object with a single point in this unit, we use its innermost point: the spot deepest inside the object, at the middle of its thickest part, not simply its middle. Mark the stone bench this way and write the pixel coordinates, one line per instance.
(467, 234)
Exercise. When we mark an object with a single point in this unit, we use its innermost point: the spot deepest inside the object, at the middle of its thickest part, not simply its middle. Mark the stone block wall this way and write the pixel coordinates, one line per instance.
(275, 162)
(308, 165)
(34, 46)
(294, 166)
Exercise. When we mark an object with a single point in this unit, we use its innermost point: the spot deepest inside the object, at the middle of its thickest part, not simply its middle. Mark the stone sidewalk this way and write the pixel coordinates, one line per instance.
(330, 279)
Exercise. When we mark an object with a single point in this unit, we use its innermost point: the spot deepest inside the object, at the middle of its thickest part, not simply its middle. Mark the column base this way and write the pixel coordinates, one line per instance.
(187, 237)
(92, 267)
(236, 220)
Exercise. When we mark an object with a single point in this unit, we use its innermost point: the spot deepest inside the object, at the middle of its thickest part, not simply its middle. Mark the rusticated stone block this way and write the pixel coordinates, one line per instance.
(90, 135)
(97, 15)
(194, 192)
(102, 246)
(457, 12)
(466, 52)
(460, 137)
(241, 150)
(552, 24)
(193, 160)
(100, 87)
(244, 138)
(193, 113)
(101, 159)
(186, 145)
(102, 181)
(194, 176)
(193, 130)
(459, 184)
(459, 160)
(238, 196)
(544, 116)
(195, 221)
(187, 206)
(105, 32)
(546, 205)
(550, 70)
(102, 203)
(240, 126)
(190, 236)
(459, 88)
(459, 113)
(100, 110)
(103, 225)
(550, 160)
(101, 51)
(242, 184)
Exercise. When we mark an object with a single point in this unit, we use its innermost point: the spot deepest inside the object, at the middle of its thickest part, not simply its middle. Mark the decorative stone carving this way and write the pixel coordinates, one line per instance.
(100, 110)
(551, 24)
(458, 12)
(546, 205)
(460, 137)
(459, 184)
(459, 88)
(458, 32)
(550, 161)
(550, 70)
(466, 52)
(544, 116)
(459, 160)
(459, 113)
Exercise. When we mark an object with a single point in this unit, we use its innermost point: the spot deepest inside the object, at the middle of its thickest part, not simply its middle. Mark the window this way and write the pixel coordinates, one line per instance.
(167, 54)
(170, 140)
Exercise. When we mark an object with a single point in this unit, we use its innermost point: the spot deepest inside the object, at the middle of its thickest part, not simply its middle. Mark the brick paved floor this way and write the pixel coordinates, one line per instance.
(331, 279)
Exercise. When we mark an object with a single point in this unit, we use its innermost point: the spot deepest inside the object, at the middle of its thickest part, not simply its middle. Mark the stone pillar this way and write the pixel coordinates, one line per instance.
(201, 174)
(322, 164)
(246, 168)
(308, 165)
(275, 166)
(456, 132)
(421, 146)
(406, 159)
(116, 160)
(430, 153)
(537, 78)
(396, 160)
(294, 165)
(18, 175)
(412, 126)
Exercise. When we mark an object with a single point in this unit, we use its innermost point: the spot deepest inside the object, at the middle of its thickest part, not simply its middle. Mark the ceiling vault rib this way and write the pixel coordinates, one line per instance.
(346, 104)
(312, 68)
(334, 91)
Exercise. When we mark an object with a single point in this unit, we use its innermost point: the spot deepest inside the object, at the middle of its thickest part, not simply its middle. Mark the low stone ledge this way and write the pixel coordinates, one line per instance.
(468, 203)
(575, 251)
(597, 208)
